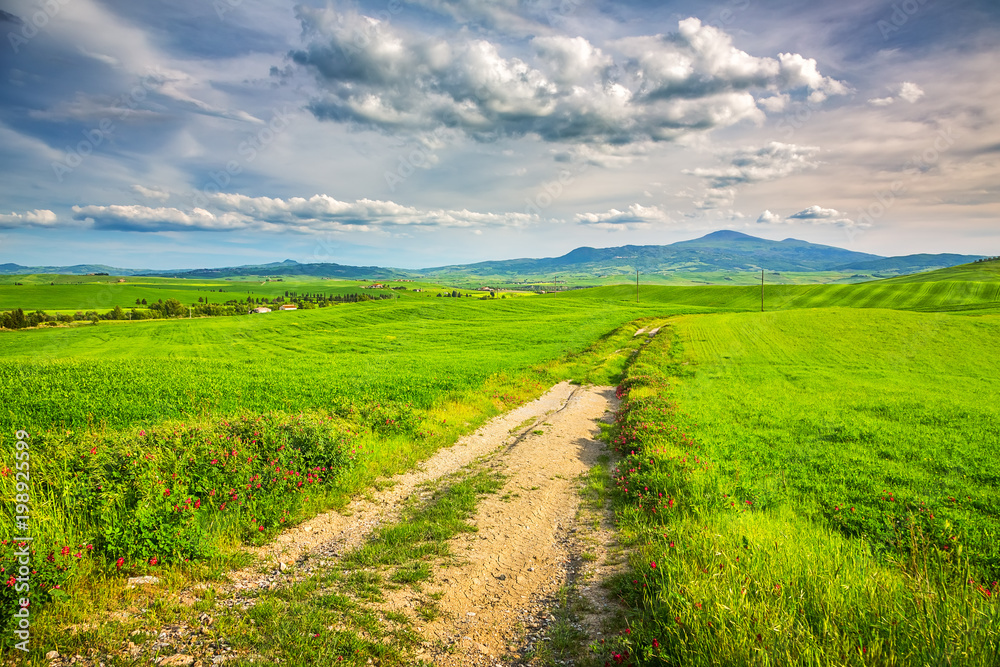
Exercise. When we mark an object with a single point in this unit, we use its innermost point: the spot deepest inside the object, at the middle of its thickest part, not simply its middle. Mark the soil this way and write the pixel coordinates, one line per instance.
(525, 548)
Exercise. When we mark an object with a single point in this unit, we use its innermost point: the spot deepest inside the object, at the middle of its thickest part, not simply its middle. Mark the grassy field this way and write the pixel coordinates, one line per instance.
(830, 455)
(71, 293)
(120, 374)
(924, 295)
(812, 487)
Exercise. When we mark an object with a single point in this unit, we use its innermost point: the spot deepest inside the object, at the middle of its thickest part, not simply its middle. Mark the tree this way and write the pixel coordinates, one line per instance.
(143, 302)
(117, 313)
(173, 307)
(137, 302)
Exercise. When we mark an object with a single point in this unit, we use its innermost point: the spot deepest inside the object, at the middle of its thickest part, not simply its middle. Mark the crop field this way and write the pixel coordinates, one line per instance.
(815, 484)
(817, 487)
(924, 295)
(121, 374)
(72, 293)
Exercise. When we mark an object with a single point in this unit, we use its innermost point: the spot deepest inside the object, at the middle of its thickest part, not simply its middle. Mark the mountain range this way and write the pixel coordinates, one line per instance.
(726, 251)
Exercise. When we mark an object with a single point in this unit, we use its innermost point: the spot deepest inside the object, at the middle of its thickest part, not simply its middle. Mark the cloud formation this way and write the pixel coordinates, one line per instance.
(35, 218)
(636, 216)
(824, 216)
(561, 89)
(319, 213)
(755, 165)
(906, 91)
(768, 218)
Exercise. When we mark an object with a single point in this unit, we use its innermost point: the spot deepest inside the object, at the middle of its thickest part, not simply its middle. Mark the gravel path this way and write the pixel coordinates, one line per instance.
(332, 533)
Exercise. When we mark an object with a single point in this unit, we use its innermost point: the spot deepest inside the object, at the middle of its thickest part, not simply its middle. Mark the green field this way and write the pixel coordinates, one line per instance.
(842, 443)
(813, 487)
(101, 293)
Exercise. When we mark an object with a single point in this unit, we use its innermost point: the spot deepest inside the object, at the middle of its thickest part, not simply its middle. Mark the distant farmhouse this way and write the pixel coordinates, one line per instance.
(261, 309)
(288, 306)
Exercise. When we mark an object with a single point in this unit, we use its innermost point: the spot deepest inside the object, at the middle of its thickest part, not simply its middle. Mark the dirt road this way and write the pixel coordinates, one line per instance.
(495, 594)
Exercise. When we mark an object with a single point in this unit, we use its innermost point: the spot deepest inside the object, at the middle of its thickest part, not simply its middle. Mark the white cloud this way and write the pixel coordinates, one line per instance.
(564, 89)
(137, 218)
(774, 103)
(159, 194)
(771, 162)
(754, 165)
(906, 91)
(816, 213)
(319, 213)
(881, 101)
(824, 216)
(768, 218)
(35, 218)
(636, 216)
(910, 92)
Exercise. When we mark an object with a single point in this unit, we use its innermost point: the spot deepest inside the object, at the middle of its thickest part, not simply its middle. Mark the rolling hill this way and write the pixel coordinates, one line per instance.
(721, 251)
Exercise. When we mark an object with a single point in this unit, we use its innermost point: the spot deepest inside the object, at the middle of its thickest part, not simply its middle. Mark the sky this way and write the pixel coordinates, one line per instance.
(169, 134)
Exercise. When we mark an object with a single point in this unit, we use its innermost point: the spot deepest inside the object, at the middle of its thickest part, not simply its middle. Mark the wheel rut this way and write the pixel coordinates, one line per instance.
(521, 555)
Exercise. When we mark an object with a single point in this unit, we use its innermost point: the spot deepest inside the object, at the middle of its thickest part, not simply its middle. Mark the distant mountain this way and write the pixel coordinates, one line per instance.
(725, 251)
(290, 268)
(910, 263)
(719, 251)
(75, 270)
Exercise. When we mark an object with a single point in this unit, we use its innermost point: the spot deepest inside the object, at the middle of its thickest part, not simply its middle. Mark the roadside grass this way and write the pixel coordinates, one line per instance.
(753, 538)
(337, 612)
(335, 615)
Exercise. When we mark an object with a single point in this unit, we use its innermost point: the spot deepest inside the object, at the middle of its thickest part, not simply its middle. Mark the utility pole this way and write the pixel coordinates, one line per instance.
(637, 285)
(762, 290)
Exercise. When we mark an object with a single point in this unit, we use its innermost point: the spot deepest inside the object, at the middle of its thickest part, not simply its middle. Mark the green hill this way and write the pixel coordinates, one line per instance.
(896, 294)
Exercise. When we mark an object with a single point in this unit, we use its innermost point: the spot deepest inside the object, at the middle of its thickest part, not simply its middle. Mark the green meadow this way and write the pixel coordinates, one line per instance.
(815, 484)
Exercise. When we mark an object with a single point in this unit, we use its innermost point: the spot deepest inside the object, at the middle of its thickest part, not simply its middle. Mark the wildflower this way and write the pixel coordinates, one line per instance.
(119, 563)
(653, 565)
(153, 560)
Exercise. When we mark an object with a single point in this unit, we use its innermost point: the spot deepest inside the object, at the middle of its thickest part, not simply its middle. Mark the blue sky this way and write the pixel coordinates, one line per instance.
(191, 133)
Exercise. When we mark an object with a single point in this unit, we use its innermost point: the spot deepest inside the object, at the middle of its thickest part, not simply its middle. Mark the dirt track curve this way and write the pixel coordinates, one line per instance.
(496, 593)
(518, 559)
